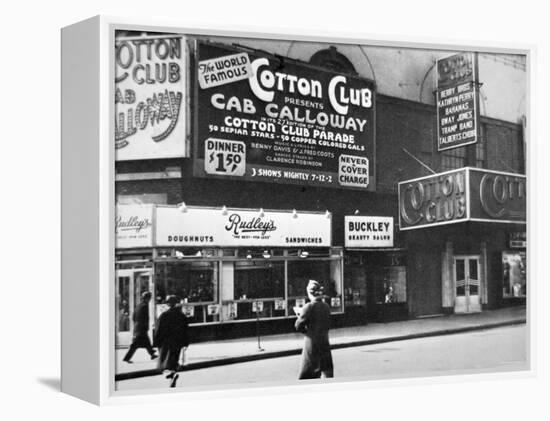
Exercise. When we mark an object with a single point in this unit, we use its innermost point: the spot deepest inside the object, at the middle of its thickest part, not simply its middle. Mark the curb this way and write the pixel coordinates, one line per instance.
(297, 351)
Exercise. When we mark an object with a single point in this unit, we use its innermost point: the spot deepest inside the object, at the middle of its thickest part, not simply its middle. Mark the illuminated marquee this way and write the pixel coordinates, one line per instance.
(467, 194)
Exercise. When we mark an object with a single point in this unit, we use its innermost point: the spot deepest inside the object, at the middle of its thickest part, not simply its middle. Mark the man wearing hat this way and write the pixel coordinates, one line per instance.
(141, 329)
(314, 322)
(170, 337)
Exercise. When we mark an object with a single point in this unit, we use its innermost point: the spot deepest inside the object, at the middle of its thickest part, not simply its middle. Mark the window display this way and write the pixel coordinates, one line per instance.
(194, 283)
(326, 272)
(258, 285)
(514, 266)
(259, 279)
(390, 284)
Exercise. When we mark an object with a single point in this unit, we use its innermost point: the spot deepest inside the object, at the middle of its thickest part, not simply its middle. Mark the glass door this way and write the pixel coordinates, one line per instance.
(124, 302)
(130, 284)
(467, 284)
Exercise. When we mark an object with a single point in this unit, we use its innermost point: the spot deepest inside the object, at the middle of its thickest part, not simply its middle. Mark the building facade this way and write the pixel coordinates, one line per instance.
(275, 162)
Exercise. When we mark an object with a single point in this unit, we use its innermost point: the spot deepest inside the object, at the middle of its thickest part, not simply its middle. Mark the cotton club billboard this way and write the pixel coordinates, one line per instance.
(266, 118)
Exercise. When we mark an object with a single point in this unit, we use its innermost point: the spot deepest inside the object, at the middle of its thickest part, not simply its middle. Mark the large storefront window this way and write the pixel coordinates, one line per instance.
(390, 285)
(222, 285)
(259, 279)
(194, 283)
(326, 272)
(376, 284)
(514, 266)
(259, 288)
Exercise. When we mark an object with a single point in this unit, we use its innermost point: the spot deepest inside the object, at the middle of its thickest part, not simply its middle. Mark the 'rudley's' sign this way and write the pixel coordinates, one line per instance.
(242, 227)
(466, 194)
(368, 231)
(134, 226)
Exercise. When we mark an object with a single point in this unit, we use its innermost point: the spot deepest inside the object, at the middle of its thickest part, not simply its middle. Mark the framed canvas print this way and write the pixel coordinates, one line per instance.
(245, 210)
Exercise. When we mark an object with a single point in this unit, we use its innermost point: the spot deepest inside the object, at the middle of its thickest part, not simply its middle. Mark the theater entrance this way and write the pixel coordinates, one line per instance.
(467, 284)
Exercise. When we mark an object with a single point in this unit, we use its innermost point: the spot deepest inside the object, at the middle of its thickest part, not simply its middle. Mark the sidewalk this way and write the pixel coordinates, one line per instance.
(215, 353)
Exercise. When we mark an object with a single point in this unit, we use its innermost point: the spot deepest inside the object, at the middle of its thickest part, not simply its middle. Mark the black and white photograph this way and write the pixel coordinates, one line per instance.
(294, 211)
(303, 210)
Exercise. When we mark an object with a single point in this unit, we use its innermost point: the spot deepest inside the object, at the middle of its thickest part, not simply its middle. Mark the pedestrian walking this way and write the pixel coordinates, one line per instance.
(170, 337)
(141, 329)
(314, 321)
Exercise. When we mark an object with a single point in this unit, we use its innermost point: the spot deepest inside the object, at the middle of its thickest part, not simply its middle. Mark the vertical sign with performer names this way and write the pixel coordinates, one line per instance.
(457, 101)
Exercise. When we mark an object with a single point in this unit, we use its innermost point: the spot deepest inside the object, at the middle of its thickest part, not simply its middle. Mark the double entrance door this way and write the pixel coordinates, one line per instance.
(130, 284)
(467, 284)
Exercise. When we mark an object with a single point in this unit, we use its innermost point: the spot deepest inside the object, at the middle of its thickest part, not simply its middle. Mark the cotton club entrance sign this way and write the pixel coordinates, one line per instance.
(466, 194)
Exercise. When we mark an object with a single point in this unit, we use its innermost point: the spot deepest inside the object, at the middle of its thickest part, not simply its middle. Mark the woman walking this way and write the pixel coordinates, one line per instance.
(314, 322)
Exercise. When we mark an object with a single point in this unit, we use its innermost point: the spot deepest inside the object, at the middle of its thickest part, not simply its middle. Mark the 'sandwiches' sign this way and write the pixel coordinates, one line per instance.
(267, 118)
(457, 99)
(213, 227)
(150, 97)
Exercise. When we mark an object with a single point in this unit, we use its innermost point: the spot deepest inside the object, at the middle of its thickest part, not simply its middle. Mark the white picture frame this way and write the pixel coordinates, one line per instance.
(88, 190)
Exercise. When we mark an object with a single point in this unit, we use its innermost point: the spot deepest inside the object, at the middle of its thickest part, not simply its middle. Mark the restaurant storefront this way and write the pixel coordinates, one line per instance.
(460, 227)
(227, 266)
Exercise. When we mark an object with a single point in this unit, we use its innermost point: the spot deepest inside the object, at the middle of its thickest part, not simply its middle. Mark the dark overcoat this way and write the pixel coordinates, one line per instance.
(171, 335)
(314, 322)
(141, 325)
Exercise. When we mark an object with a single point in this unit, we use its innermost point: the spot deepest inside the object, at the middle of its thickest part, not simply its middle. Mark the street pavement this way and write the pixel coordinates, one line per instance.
(492, 350)
(215, 353)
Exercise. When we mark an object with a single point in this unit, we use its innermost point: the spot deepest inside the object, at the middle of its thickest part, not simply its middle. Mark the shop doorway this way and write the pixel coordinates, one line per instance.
(130, 284)
(467, 284)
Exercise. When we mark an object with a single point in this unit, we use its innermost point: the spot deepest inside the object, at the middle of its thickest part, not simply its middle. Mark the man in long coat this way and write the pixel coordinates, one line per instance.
(141, 329)
(170, 337)
(314, 322)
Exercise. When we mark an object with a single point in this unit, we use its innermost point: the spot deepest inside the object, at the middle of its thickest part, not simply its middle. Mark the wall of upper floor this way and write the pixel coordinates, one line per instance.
(405, 117)
(409, 73)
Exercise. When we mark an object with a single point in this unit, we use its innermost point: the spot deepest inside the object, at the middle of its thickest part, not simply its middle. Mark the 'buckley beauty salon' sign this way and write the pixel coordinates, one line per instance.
(214, 227)
(369, 231)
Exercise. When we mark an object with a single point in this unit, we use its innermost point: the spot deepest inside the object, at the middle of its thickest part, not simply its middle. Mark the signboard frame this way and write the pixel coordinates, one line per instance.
(198, 163)
(326, 239)
(144, 211)
(181, 141)
(468, 216)
(369, 243)
(475, 89)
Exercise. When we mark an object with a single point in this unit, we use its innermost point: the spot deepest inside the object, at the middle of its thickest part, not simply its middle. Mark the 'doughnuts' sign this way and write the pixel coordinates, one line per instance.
(265, 118)
(150, 97)
(457, 102)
